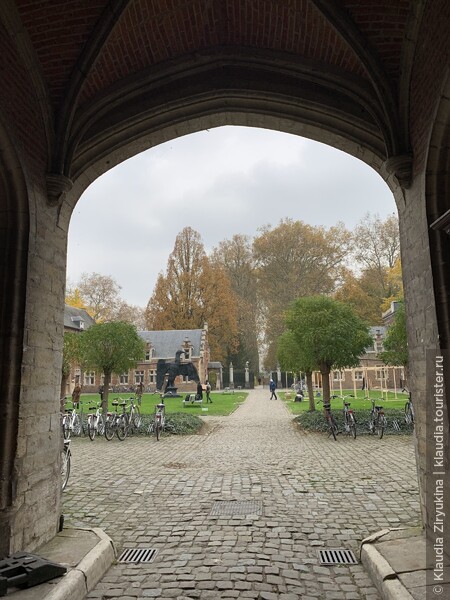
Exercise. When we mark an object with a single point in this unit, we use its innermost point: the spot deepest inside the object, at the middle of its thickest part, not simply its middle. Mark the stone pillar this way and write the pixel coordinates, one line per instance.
(279, 382)
(231, 375)
(247, 378)
(32, 515)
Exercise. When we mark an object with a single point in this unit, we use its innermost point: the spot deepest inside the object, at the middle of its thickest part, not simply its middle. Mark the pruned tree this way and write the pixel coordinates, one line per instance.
(110, 348)
(194, 292)
(330, 335)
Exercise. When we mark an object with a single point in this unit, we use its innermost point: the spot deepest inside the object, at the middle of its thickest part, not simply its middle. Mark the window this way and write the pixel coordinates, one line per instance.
(152, 376)
(123, 379)
(89, 378)
(187, 353)
(380, 374)
(379, 346)
(338, 375)
(139, 377)
(359, 375)
(149, 353)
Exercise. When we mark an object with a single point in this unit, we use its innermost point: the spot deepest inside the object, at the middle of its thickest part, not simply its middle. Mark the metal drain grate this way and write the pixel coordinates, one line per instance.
(234, 507)
(137, 555)
(337, 556)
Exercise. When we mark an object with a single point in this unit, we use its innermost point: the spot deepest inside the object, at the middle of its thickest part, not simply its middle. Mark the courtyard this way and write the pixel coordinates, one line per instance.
(241, 509)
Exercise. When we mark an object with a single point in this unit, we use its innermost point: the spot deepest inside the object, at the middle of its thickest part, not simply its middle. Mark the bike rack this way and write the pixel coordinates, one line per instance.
(25, 570)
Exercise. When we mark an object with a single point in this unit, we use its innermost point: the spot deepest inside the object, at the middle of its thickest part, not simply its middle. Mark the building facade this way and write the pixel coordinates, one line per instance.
(158, 345)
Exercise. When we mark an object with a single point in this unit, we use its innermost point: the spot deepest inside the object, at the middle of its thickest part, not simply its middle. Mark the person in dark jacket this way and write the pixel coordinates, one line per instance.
(272, 388)
(199, 395)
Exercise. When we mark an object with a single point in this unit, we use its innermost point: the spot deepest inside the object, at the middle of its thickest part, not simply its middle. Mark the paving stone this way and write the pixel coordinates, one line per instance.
(252, 455)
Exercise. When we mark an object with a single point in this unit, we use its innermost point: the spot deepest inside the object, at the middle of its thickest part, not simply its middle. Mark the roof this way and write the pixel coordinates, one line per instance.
(77, 318)
(166, 343)
(215, 365)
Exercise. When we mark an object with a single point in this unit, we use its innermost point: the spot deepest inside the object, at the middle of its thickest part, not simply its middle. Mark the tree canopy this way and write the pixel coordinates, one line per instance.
(194, 292)
(110, 348)
(329, 334)
(294, 259)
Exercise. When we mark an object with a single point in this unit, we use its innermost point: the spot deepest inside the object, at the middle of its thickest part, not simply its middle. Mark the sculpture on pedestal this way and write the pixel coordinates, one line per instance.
(172, 370)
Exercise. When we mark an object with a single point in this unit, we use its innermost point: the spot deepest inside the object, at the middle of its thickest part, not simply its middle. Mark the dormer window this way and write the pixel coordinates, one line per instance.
(78, 321)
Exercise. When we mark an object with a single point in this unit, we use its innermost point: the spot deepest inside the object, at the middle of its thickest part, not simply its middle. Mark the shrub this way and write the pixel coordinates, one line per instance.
(315, 421)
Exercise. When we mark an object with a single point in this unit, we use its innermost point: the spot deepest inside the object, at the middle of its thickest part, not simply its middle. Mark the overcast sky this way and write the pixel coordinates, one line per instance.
(220, 182)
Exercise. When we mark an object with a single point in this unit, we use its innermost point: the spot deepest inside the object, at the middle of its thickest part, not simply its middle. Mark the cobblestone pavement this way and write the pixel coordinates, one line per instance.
(304, 491)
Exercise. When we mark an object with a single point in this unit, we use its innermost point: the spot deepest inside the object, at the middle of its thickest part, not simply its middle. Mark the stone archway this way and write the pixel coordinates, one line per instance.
(121, 80)
(14, 228)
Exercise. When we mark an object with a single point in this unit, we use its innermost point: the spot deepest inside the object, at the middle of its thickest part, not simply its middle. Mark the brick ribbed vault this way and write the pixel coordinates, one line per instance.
(86, 84)
(114, 65)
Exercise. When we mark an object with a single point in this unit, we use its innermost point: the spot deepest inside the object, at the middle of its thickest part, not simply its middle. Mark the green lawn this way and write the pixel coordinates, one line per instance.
(358, 402)
(222, 404)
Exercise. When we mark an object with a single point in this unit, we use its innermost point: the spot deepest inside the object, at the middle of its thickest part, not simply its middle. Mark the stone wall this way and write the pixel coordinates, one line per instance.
(35, 507)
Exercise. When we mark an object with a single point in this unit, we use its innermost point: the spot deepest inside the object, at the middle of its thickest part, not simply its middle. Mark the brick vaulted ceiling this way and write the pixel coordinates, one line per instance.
(100, 63)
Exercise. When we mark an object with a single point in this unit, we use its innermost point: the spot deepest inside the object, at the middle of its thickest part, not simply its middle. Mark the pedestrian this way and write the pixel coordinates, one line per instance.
(199, 395)
(208, 392)
(100, 391)
(76, 394)
(272, 388)
(259, 380)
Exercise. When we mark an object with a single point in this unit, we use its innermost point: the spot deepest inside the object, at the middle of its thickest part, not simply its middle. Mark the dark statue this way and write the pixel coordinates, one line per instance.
(172, 369)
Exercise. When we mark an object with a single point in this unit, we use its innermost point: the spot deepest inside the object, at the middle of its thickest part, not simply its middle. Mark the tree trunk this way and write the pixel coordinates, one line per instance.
(309, 385)
(64, 379)
(325, 371)
(107, 381)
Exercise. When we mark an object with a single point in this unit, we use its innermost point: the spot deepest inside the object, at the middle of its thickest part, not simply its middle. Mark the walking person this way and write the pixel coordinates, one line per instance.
(76, 394)
(272, 387)
(199, 395)
(208, 391)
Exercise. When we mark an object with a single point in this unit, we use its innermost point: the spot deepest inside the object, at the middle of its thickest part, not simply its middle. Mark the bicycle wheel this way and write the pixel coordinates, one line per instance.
(65, 467)
(151, 428)
(352, 425)
(91, 427)
(76, 425)
(408, 417)
(109, 428)
(333, 427)
(136, 420)
(158, 430)
(371, 424)
(65, 428)
(122, 428)
(100, 425)
(381, 426)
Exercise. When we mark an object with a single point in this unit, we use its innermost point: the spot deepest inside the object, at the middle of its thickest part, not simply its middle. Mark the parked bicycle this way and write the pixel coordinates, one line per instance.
(349, 416)
(332, 425)
(116, 423)
(159, 420)
(134, 419)
(377, 420)
(409, 409)
(71, 423)
(95, 422)
(66, 456)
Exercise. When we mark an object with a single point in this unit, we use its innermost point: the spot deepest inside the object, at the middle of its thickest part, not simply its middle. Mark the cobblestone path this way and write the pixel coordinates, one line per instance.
(303, 491)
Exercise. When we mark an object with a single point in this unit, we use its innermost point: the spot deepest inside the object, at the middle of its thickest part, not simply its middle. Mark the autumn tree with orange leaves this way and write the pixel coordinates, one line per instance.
(192, 292)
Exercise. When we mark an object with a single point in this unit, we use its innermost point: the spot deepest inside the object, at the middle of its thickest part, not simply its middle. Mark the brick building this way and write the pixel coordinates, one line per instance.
(159, 345)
